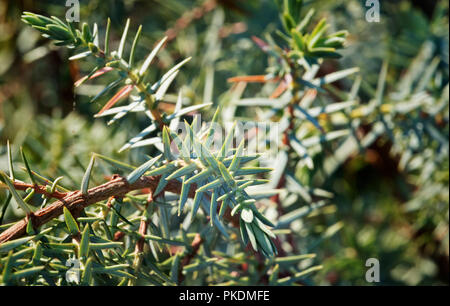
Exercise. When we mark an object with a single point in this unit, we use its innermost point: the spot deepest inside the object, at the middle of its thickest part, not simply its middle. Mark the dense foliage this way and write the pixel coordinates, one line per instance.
(350, 119)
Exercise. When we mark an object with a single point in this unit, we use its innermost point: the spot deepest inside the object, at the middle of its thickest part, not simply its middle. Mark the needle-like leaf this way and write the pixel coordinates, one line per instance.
(123, 39)
(151, 56)
(136, 174)
(122, 93)
(87, 175)
(14, 193)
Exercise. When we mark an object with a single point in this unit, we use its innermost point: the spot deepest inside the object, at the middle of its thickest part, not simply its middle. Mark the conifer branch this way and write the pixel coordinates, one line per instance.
(76, 201)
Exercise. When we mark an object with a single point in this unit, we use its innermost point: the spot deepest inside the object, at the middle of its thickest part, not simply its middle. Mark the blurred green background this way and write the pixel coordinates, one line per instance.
(40, 111)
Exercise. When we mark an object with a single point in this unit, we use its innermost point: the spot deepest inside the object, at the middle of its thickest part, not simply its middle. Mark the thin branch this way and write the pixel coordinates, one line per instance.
(195, 246)
(40, 189)
(76, 201)
(143, 226)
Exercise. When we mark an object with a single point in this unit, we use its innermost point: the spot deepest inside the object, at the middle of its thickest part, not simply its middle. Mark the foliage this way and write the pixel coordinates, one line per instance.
(355, 161)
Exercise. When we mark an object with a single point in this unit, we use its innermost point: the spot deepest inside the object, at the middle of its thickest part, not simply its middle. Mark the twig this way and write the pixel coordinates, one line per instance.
(40, 189)
(195, 246)
(75, 201)
(139, 248)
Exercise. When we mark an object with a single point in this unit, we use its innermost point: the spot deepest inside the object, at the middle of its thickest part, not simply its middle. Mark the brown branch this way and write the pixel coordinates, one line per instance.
(75, 201)
(195, 246)
(39, 189)
(139, 248)
(143, 226)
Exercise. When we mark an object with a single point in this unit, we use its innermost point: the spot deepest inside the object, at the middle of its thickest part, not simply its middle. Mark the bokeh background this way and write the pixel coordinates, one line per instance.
(376, 211)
